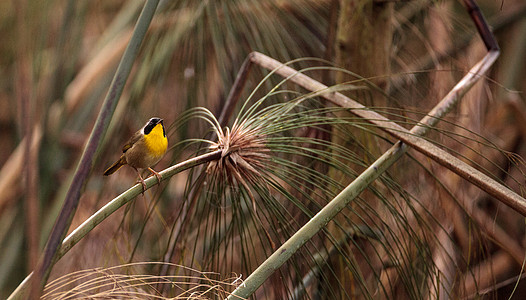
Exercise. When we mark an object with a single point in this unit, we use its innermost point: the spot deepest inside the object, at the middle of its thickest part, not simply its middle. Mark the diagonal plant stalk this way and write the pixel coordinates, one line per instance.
(484, 182)
(424, 126)
(354, 189)
(420, 144)
(322, 218)
(83, 229)
(71, 200)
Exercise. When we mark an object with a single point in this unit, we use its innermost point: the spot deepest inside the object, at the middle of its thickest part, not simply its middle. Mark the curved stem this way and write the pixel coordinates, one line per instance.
(80, 232)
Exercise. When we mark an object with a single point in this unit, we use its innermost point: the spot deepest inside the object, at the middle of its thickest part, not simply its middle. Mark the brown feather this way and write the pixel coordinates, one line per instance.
(131, 141)
(117, 165)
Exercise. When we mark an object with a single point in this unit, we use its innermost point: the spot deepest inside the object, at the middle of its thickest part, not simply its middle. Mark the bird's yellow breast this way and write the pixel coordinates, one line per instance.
(156, 141)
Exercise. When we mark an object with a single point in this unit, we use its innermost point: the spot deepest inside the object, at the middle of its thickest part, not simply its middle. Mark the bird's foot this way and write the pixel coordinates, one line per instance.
(159, 176)
(141, 181)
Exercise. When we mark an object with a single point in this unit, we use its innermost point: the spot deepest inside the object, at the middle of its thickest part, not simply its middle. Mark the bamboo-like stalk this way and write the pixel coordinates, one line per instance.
(447, 160)
(80, 232)
(320, 220)
(469, 173)
(278, 258)
(86, 161)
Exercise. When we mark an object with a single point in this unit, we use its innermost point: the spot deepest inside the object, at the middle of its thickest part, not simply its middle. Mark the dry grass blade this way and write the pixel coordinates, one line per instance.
(131, 281)
(12, 170)
(106, 59)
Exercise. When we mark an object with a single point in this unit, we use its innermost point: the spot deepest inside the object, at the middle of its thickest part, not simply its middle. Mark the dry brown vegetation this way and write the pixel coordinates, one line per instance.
(420, 231)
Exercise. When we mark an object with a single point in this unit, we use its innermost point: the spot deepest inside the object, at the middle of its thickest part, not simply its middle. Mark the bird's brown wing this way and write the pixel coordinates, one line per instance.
(131, 141)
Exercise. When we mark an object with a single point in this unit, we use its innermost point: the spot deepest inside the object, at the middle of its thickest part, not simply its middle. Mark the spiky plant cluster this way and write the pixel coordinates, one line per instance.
(276, 156)
(251, 146)
(243, 154)
(267, 181)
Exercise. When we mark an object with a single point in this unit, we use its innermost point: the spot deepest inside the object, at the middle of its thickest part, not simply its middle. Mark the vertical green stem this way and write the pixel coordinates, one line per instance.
(71, 200)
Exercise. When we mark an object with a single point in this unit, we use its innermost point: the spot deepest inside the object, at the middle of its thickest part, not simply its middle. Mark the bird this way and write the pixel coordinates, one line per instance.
(143, 150)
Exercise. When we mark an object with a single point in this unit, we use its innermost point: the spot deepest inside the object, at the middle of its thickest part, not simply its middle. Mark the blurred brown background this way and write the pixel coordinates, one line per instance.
(57, 59)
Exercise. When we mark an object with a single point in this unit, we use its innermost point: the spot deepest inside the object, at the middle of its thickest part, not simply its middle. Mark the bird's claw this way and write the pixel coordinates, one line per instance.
(141, 181)
(159, 176)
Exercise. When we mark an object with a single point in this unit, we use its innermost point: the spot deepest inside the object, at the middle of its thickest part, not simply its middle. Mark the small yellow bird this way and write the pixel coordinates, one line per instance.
(143, 150)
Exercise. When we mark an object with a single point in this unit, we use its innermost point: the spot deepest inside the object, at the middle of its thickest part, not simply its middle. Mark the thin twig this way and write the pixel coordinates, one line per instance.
(498, 23)
(235, 91)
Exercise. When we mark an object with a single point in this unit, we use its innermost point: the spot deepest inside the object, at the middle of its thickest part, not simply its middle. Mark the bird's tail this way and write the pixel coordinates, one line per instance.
(117, 165)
